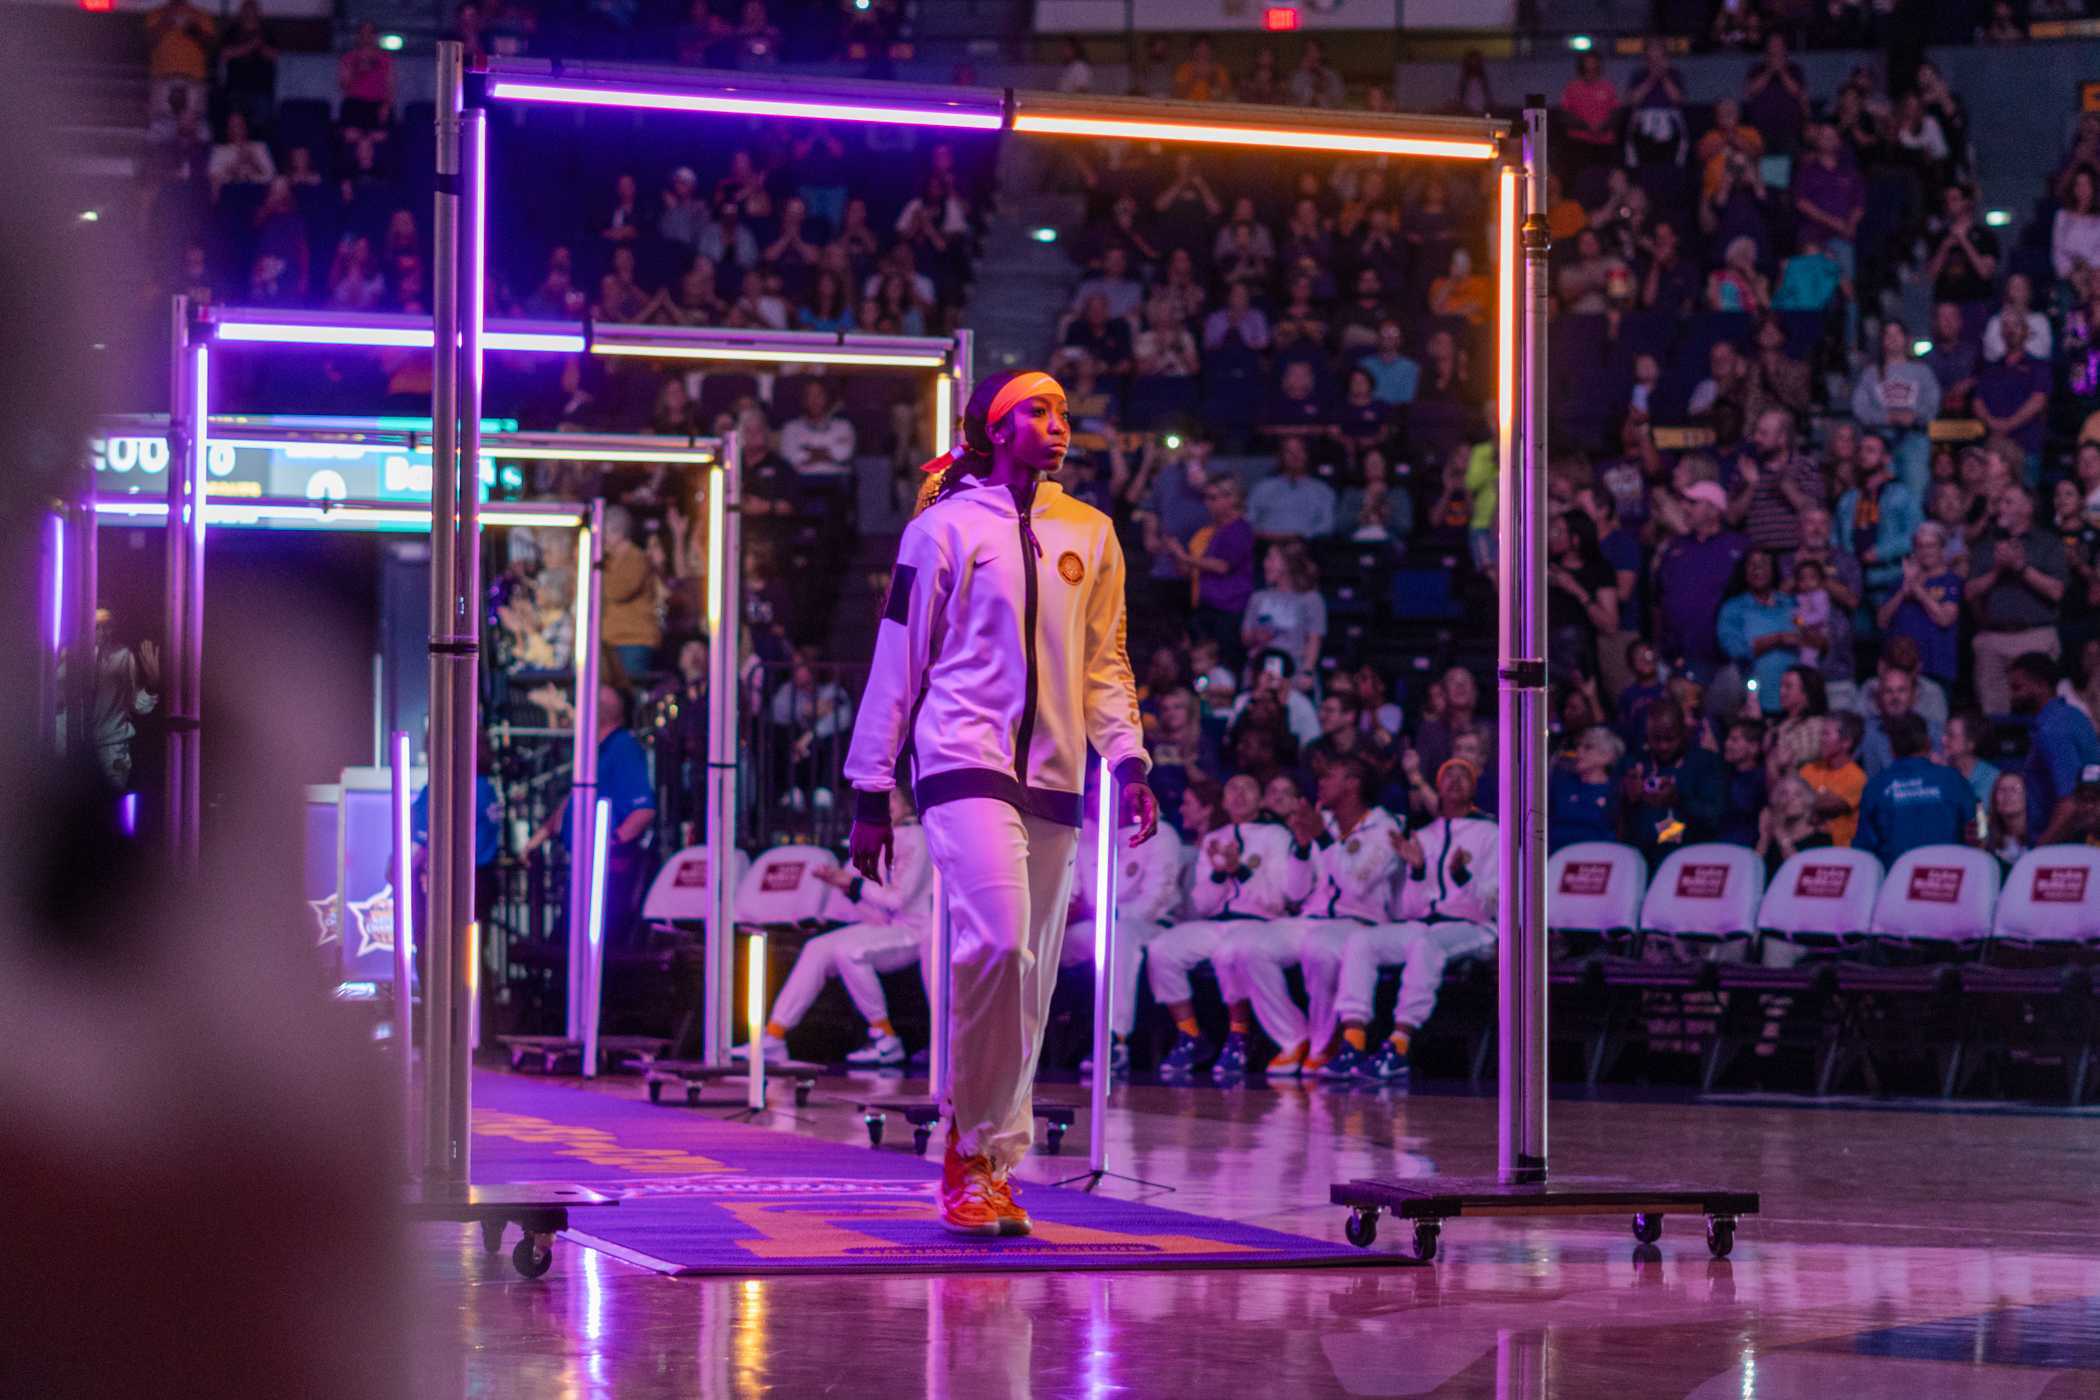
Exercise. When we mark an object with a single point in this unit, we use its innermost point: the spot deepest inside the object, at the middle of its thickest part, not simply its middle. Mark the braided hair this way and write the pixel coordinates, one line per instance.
(972, 456)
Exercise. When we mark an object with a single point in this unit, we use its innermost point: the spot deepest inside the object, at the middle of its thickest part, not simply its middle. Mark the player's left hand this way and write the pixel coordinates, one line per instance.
(1140, 808)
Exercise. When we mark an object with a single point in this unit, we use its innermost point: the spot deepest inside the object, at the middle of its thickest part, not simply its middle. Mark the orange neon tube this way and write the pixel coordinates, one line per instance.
(1303, 139)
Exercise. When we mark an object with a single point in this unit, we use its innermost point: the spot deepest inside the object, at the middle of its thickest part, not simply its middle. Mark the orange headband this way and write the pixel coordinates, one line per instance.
(1448, 764)
(1020, 389)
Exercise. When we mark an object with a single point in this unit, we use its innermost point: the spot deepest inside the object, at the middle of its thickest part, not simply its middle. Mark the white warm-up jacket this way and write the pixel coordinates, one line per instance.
(1148, 884)
(1255, 888)
(999, 657)
(1448, 888)
(1346, 877)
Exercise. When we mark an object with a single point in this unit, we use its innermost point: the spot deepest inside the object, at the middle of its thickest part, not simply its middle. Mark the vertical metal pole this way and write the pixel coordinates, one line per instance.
(445, 738)
(404, 947)
(86, 660)
(190, 731)
(725, 629)
(939, 1054)
(1108, 857)
(583, 787)
(1521, 1139)
(176, 616)
(465, 656)
(52, 608)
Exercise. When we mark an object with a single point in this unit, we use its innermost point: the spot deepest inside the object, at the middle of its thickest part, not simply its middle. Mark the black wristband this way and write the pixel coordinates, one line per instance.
(1130, 771)
(871, 808)
(853, 890)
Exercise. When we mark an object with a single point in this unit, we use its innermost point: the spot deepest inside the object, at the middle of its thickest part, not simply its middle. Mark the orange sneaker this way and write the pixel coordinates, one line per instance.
(1291, 1062)
(1013, 1219)
(970, 1195)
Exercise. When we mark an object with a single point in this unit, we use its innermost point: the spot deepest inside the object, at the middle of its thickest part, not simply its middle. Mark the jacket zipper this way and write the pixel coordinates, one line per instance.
(1030, 552)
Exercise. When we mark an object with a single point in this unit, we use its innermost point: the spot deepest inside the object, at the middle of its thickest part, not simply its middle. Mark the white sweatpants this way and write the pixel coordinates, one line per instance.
(1175, 953)
(857, 955)
(1422, 949)
(1006, 877)
(1133, 936)
(1251, 964)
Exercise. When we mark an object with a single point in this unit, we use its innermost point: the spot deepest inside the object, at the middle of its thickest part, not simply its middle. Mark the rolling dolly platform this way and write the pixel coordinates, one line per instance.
(923, 1113)
(560, 1054)
(538, 1209)
(1428, 1202)
(693, 1077)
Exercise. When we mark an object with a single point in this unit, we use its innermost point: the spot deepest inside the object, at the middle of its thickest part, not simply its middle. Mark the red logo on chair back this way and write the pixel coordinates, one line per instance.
(1822, 881)
(691, 874)
(1591, 877)
(781, 878)
(2059, 884)
(1935, 884)
(1701, 881)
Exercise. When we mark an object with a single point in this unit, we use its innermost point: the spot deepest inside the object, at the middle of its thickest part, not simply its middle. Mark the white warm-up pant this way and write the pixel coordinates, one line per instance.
(1422, 950)
(1250, 968)
(1133, 936)
(1174, 954)
(857, 955)
(1006, 877)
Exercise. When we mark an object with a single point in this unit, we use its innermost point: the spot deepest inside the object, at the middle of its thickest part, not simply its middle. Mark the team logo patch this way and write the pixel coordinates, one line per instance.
(1130, 871)
(1254, 862)
(1354, 846)
(1069, 567)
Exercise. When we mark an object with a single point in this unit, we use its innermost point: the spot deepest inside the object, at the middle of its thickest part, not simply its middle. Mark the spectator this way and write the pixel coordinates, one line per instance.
(1450, 714)
(1811, 280)
(1589, 103)
(1376, 509)
(1743, 758)
(1462, 292)
(630, 625)
(1898, 393)
(1775, 98)
(826, 308)
(1952, 359)
(1292, 504)
(354, 280)
(1394, 377)
(620, 297)
(727, 243)
(1895, 699)
(1797, 737)
(1656, 133)
(1728, 146)
(2014, 590)
(822, 441)
(1475, 98)
(248, 68)
(2061, 744)
(1926, 606)
(1692, 575)
(1582, 592)
(178, 58)
(1077, 76)
(365, 74)
(1788, 824)
(1776, 485)
(1288, 614)
(1582, 801)
(1757, 630)
(1262, 83)
(1674, 792)
(1726, 386)
(1099, 336)
(1588, 279)
(1447, 379)
(1964, 263)
(1877, 518)
(1165, 349)
(1668, 281)
(2074, 240)
(2005, 829)
(621, 226)
(1836, 777)
(1965, 732)
(1777, 379)
(240, 159)
(1315, 84)
(1737, 285)
(1218, 561)
(1917, 134)
(2018, 305)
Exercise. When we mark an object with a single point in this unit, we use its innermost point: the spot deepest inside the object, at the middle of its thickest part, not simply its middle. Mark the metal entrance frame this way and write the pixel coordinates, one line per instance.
(1518, 154)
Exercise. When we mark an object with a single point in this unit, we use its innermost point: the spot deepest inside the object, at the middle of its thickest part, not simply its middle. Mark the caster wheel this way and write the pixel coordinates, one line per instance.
(1720, 1235)
(531, 1258)
(874, 1122)
(517, 1062)
(492, 1236)
(802, 1095)
(1362, 1226)
(1426, 1232)
(1057, 1140)
(1647, 1228)
(919, 1138)
(656, 1091)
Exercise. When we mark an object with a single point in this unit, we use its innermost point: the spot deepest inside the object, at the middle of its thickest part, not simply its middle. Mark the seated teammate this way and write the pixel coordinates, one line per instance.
(1449, 877)
(1241, 864)
(891, 936)
(1148, 895)
(1341, 862)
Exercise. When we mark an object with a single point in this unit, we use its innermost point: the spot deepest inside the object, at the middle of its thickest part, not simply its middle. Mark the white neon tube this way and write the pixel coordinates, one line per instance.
(739, 354)
(636, 99)
(404, 946)
(1105, 830)
(943, 414)
(334, 515)
(715, 522)
(58, 584)
(755, 1017)
(1506, 312)
(594, 930)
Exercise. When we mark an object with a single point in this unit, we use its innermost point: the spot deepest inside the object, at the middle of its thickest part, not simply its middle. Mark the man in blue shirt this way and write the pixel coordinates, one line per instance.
(1912, 802)
(1394, 377)
(630, 798)
(2061, 743)
(488, 833)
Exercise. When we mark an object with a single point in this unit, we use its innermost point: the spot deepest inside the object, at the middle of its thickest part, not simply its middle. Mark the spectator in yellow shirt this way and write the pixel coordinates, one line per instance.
(1836, 777)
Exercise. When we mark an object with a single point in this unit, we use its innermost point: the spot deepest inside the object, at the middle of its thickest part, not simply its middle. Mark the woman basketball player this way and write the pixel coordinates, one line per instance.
(999, 658)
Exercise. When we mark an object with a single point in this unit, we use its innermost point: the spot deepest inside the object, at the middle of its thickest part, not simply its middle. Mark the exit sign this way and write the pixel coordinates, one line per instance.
(1277, 19)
